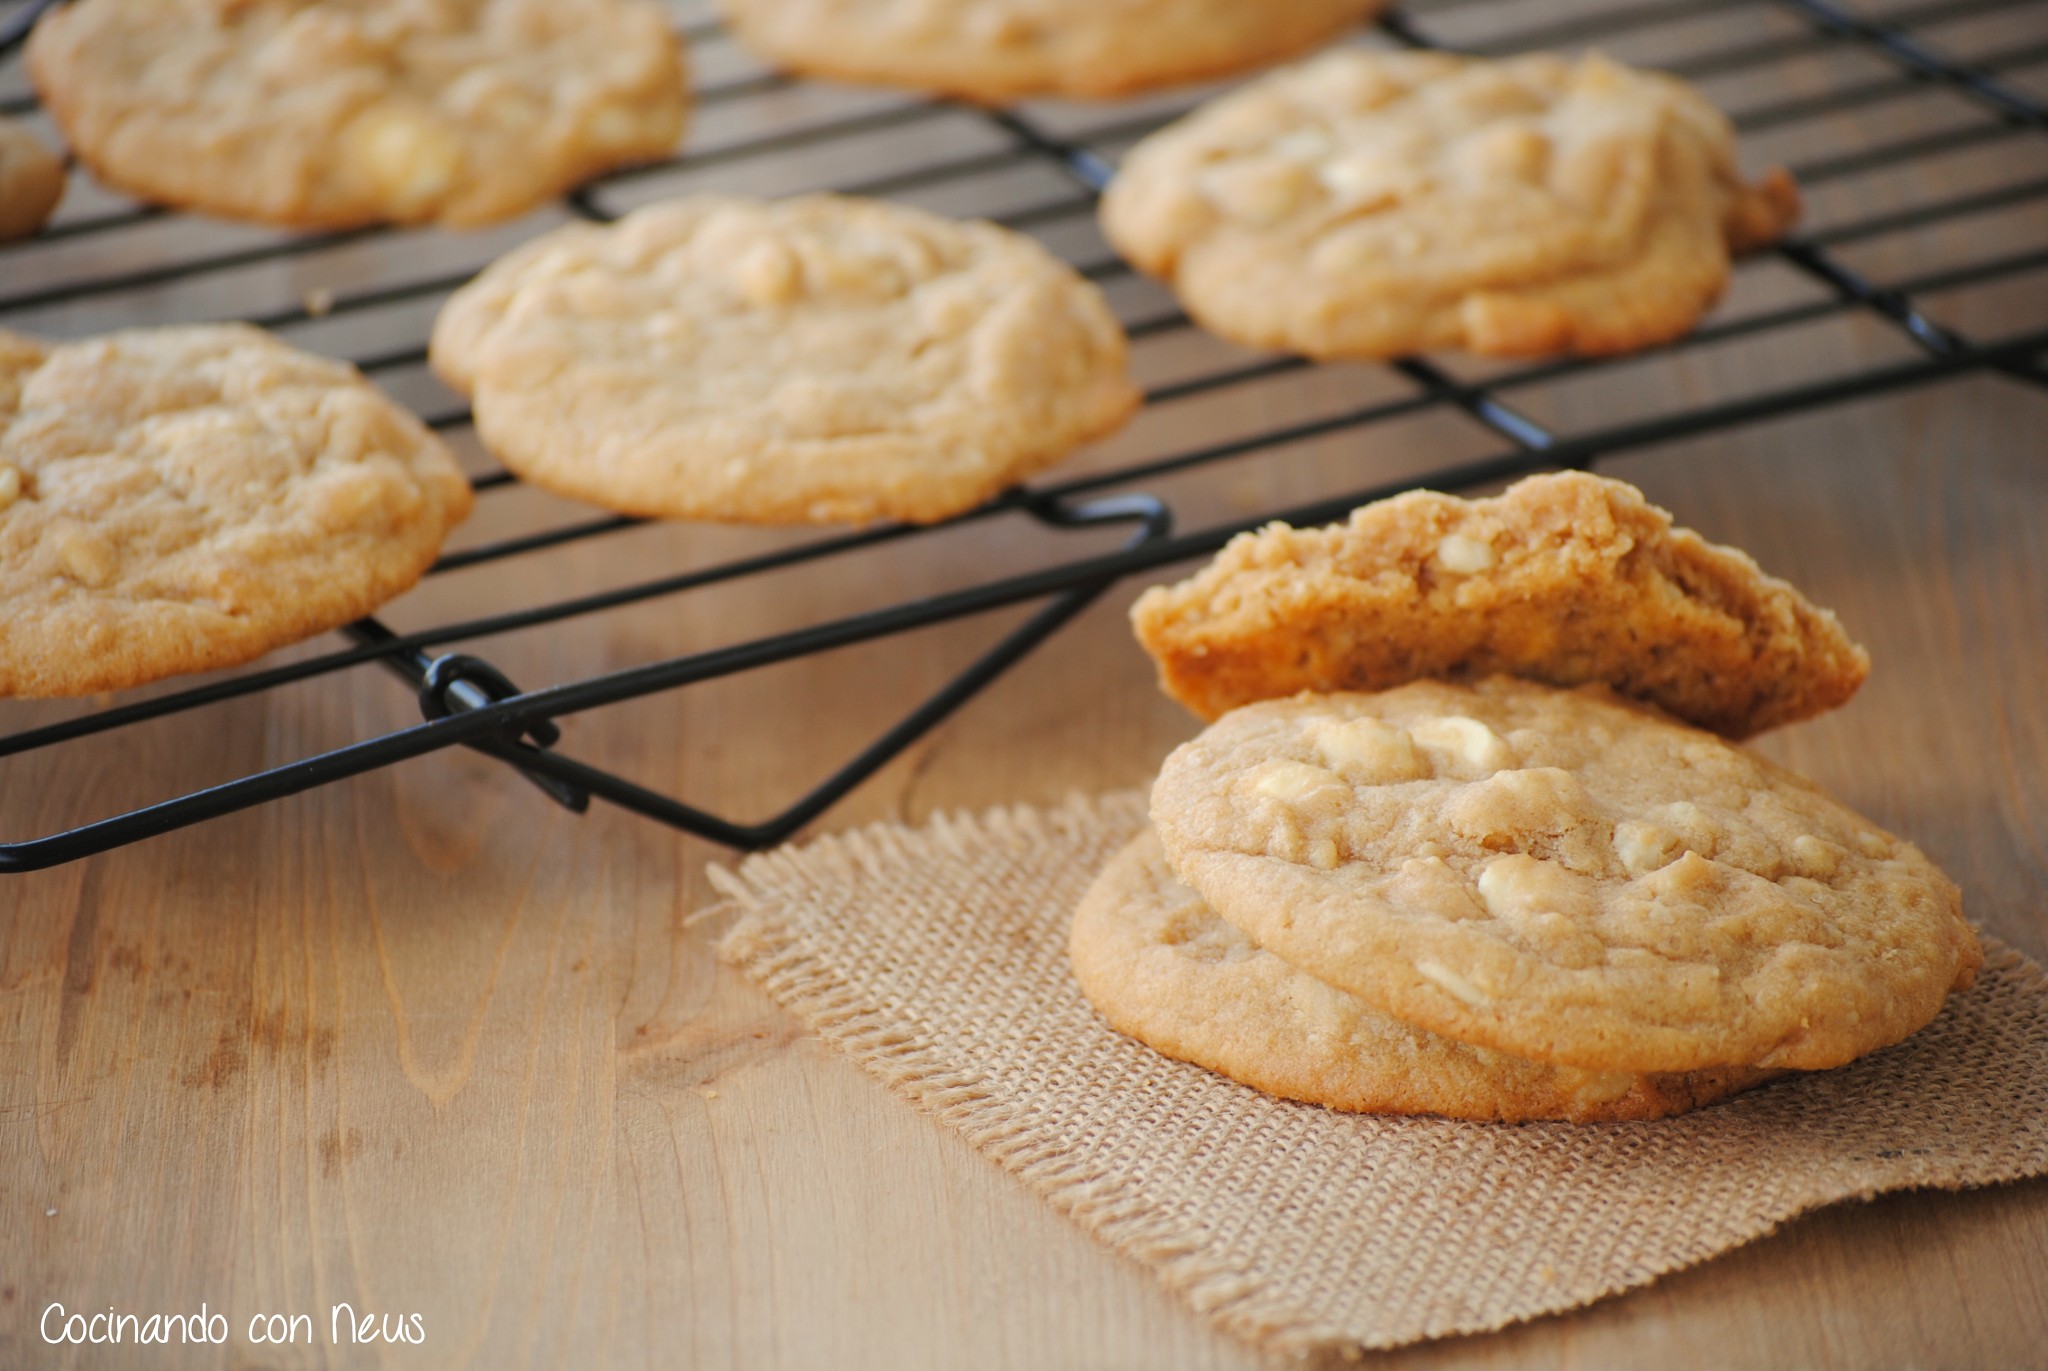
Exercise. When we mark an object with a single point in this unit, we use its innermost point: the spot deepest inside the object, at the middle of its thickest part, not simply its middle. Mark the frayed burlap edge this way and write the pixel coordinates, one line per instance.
(791, 915)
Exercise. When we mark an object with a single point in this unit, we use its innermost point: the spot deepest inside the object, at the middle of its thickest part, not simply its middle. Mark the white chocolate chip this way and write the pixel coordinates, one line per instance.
(1297, 783)
(1450, 981)
(1693, 826)
(1691, 874)
(86, 557)
(1458, 740)
(1644, 847)
(1814, 857)
(1365, 179)
(768, 274)
(10, 485)
(412, 156)
(1873, 845)
(1256, 191)
(1303, 145)
(1519, 887)
(1514, 151)
(1463, 555)
(868, 275)
(1322, 854)
(1367, 751)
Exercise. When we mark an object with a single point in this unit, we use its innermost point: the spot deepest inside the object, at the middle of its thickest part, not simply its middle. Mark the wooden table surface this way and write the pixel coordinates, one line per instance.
(423, 1043)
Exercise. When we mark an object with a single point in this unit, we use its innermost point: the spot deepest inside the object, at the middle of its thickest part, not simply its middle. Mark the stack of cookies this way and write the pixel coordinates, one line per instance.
(1471, 838)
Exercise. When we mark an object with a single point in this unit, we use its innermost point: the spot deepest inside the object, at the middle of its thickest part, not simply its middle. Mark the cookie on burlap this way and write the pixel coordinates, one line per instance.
(31, 180)
(1369, 204)
(332, 113)
(806, 360)
(182, 499)
(1564, 578)
(1564, 877)
(995, 50)
(1162, 968)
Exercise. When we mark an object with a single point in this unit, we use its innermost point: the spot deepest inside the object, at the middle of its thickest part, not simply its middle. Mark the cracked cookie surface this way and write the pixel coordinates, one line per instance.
(816, 359)
(1164, 969)
(1371, 204)
(995, 50)
(335, 113)
(183, 499)
(1563, 877)
(1565, 578)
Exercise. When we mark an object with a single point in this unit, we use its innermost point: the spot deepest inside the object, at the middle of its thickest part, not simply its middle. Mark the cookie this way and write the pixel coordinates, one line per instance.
(1563, 877)
(1162, 968)
(996, 50)
(797, 361)
(1371, 204)
(31, 180)
(182, 499)
(1565, 578)
(334, 113)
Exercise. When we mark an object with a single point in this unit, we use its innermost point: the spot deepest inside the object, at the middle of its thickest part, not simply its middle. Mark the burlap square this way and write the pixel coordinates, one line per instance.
(936, 958)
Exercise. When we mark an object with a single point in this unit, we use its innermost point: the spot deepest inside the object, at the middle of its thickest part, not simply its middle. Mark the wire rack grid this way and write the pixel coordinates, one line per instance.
(100, 259)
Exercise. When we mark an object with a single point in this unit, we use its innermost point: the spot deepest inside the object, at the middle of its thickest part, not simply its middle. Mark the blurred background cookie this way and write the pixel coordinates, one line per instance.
(1371, 204)
(182, 499)
(799, 361)
(333, 113)
(996, 50)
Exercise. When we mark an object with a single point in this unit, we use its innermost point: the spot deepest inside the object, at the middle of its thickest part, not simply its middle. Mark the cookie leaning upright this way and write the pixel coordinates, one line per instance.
(996, 50)
(1565, 578)
(183, 499)
(1560, 876)
(806, 360)
(334, 113)
(1370, 204)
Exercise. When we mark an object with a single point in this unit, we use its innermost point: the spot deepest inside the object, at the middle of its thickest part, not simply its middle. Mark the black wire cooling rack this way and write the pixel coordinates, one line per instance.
(466, 701)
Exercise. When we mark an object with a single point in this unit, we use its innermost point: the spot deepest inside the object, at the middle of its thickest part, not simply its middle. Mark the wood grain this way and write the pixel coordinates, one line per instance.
(424, 1043)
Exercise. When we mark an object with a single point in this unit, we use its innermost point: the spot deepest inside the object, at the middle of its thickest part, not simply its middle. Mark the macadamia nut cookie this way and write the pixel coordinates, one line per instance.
(1161, 967)
(182, 499)
(994, 50)
(1565, 578)
(1370, 204)
(333, 113)
(31, 180)
(1562, 877)
(807, 360)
